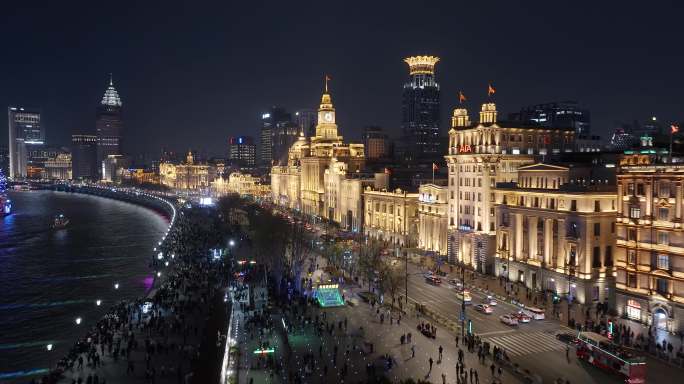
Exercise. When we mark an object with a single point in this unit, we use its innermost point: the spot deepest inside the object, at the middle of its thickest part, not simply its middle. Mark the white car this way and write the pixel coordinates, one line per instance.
(490, 301)
(508, 320)
(484, 308)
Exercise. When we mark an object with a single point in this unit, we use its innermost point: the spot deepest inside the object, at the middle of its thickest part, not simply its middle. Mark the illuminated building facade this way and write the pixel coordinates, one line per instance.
(26, 134)
(186, 176)
(376, 143)
(301, 183)
(433, 218)
(481, 155)
(84, 164)
(58, 167)
(421, 111)
(240, 183)
(555, 232)
(278, 133)
(108, 124)
(650, 237)
(391, 216)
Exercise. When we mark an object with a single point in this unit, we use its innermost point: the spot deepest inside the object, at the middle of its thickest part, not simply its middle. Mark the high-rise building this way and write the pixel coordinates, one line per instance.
(84, 165)
(306, 121)
(275, 127)
(376, 143)
(241, 152)
(564, 114)
(420, 112)
(108, 125)
(26, 133)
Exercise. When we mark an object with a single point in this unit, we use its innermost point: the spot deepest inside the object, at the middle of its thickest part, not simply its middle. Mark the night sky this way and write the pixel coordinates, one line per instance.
(192, 74)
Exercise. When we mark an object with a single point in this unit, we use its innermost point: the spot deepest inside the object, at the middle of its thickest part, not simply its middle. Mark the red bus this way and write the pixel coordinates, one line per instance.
(602, 353)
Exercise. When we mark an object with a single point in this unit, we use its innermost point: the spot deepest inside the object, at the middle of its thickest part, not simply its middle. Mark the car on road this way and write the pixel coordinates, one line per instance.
(455, 283)
(508, 320)
(465, 295)
(484, 308)
(567, 338)
(490, 301)
(521, 317)
(434, 280)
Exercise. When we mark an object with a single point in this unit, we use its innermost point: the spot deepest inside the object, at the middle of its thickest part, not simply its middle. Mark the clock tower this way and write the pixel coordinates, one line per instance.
(326, 129)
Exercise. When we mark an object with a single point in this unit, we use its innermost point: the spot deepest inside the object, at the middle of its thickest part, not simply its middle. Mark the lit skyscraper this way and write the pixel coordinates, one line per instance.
(420, 111)
(108, 124)
(241, 152)
(26, 133)
(84, 163)
(278, 133)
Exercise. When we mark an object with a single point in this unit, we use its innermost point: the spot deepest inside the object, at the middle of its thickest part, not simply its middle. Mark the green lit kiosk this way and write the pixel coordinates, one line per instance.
(328, 295)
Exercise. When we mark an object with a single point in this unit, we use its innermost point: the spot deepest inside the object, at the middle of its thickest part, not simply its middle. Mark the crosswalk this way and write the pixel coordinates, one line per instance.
(519, 344)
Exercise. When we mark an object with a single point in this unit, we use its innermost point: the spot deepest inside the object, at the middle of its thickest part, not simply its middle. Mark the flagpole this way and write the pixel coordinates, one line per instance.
(433, 174)
(671, 135)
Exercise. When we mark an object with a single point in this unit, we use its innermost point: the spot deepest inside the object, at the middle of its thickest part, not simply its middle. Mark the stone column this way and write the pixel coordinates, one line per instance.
(532, 236)
(548, 241)
(678, 202)
(518, 236)
(649, 200)
(561, 255)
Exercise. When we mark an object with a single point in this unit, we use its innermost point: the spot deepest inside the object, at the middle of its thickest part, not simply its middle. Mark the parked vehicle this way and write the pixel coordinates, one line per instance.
(535, 313)
(567, 338)
(508, 320)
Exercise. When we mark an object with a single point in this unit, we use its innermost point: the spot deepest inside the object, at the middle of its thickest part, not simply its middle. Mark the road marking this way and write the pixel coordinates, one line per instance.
(527, 343)
(495, 332)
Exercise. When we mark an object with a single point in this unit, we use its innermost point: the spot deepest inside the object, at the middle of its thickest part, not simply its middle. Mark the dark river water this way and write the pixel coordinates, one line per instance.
(49, 277)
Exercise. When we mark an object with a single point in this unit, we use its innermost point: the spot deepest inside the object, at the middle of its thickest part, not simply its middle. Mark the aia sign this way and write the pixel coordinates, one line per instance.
(466, 148)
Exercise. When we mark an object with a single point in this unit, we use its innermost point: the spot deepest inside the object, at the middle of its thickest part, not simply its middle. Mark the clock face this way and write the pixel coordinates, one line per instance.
(328, 116)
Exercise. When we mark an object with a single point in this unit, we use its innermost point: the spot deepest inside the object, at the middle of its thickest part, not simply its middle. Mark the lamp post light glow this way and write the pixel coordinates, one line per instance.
(116, 286)
(98, 302)
(158, 274)
(166, 264)
(160, 256)
(78, 320)
(49, 347)
(231, 243)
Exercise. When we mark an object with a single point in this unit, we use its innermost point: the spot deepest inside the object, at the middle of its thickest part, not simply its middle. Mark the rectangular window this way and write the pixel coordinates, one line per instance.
(663, 238)
(640, 189)
(661, 286)
(597, 206)
(573, 205)
(612, 227)
(663, 261)
(663, 214)
(609, 256)
(596, 258)
(664, 189)
(631, 256)
(630, 189)
(634, 213)
(597, 229)
(631, 234)
(632, 280)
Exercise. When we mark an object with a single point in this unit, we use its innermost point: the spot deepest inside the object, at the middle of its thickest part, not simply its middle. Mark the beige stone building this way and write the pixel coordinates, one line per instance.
(58, 167)
(481, 155)
(433, 218)
(188, 175)
(650, 242)
(242, 184)
(301, 184)
(555, 232)
(391, 216)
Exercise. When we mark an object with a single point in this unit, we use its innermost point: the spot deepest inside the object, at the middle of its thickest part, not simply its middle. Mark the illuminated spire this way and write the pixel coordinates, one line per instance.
(111, 96)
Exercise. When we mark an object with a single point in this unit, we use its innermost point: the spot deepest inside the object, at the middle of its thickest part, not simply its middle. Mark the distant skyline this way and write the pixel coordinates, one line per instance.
(191, 76)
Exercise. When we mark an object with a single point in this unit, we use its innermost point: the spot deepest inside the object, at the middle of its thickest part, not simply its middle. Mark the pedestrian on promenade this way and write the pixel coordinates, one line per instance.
(413, 351)
(492, 368)
(440, 353)
(430, 362)
(456, 340)
(443, 378)
(500, 371)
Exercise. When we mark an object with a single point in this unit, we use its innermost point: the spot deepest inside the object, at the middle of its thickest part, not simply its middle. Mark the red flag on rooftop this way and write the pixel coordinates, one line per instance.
(490, 90)
(675, 128)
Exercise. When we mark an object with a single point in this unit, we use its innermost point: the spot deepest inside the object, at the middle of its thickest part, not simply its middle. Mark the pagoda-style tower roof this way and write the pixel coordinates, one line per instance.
(111, 96)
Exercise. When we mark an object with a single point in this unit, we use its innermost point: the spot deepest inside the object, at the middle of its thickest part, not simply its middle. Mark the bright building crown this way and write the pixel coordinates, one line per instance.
(421, 64)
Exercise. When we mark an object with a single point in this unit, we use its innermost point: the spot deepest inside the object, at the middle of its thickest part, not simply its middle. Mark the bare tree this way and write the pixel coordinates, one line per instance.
(370, 261)
(297, 247)
(391, 280)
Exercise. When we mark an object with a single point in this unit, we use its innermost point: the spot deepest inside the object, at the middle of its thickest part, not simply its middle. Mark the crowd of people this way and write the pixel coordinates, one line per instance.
(157, 335)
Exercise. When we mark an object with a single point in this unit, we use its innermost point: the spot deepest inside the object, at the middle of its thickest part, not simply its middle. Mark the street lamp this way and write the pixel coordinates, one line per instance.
(166, 264)
(116, 286)
(78, 320)
(158, 274)
(98, 302)
(49, 347)
(231, 243)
